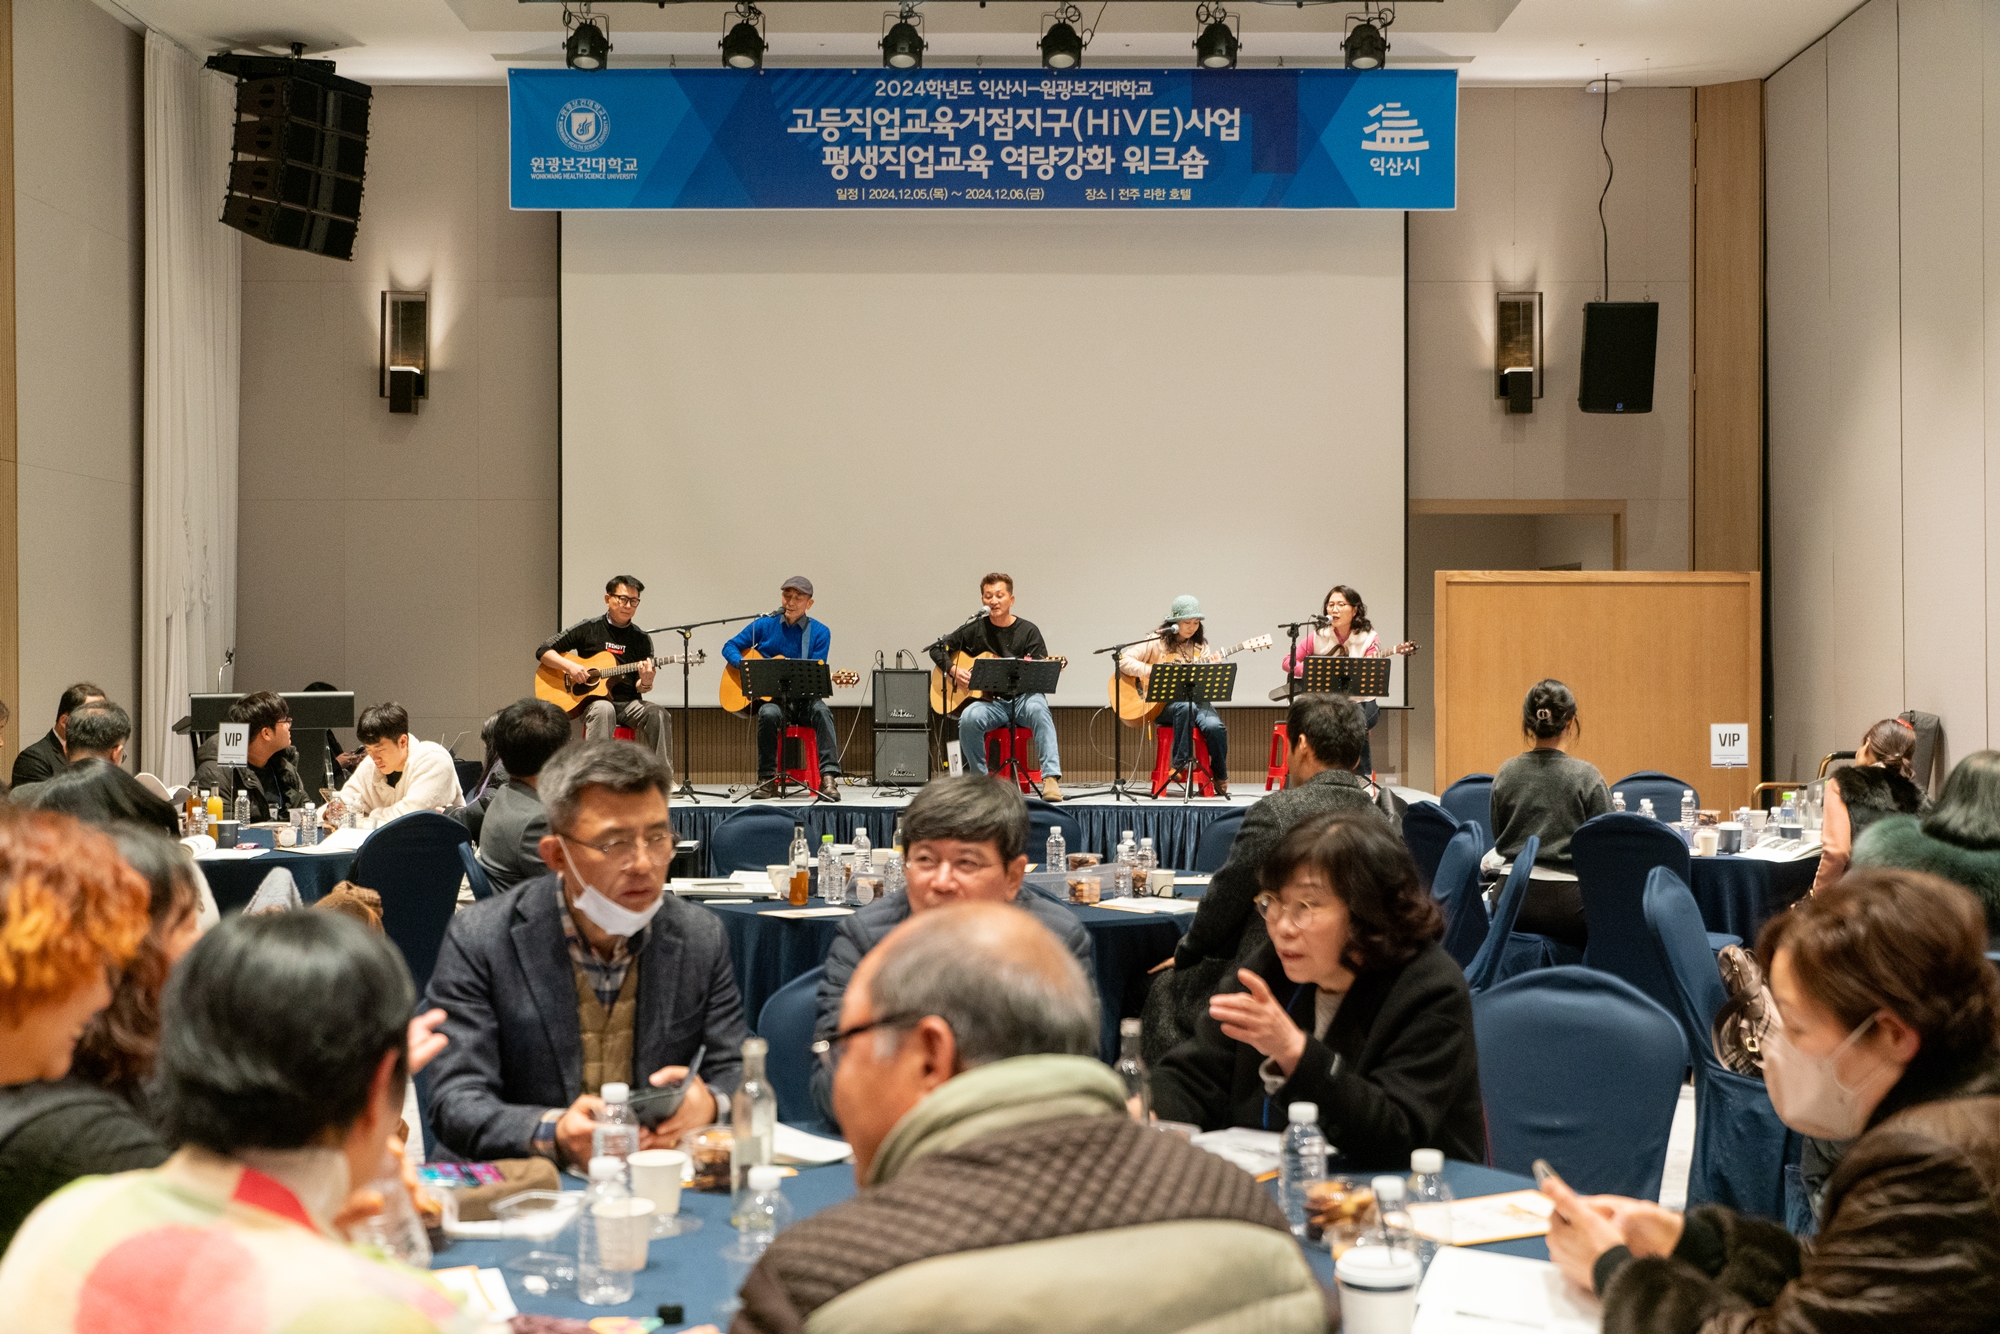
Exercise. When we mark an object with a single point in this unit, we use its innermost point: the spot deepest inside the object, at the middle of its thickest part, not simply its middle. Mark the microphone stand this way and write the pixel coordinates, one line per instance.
(944, 690)
(686, 787)
(1292, 664)
(1118, 788)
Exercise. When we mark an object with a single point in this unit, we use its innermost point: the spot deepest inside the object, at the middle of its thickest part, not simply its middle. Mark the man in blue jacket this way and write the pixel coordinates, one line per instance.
(590, 976)
(790, 634)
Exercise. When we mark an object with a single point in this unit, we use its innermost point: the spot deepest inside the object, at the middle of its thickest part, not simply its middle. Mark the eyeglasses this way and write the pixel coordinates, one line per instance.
(1274, 910)
(624, 600)
(967, 866)
(621, 851)
(824, 1048)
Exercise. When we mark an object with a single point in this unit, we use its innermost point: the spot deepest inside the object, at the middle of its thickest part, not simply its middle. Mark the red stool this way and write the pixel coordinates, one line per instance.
(624, 733)
(1163, 763)
(1281, 757)
(807, 771)
(1007, 748)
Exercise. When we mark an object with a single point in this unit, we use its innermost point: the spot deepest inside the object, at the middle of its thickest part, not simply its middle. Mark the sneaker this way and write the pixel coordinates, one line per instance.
(1050, 790)
(829, 785)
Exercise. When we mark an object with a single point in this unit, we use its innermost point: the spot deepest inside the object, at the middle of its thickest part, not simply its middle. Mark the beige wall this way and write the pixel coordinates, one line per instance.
(1883, 222)
(79, 247)
(405, 557)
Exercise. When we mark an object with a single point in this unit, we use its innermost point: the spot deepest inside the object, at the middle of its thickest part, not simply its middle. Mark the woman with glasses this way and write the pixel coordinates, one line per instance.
(1352, 1005)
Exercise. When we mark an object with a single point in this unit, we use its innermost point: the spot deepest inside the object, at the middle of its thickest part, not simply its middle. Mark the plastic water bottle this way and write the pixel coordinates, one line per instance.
(1646, 808)
(1617, 801)
(1303, 1163)
(242, 807)
(892, 872)
(396, 1230)
(603, 1260)
(1429, 1188)
(764, 1214)
(1687, 810)
(616, 1133)
(1143, 867)
(309, 827)
(832, 884)
(1123, 867)
(1132, 1069)
(1395, 1228)
(753, 1113)
(864, 851)
(1057, 853)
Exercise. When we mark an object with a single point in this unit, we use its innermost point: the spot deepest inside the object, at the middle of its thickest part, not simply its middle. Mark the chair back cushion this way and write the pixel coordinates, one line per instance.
(475, 874)
(1613, 855)
(1583, 1069)
(1484, 970)
(1218, 836)
(1457, 889)
(413, 863)
(1663, 790)
(786, 1022)
(1044, 816)
(1427, 827)
(750, 840)
(1471, 798)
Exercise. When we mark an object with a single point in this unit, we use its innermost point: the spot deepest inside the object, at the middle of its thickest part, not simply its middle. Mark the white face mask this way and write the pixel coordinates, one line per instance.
(1807, 1091)
(606, 913)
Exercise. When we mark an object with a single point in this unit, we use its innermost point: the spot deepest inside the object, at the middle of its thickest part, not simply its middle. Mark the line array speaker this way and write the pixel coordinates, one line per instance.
(300, 153)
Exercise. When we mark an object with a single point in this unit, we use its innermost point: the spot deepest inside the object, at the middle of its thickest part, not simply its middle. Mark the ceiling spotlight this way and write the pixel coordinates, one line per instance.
(903, 45)
(743, 45)
(1062, 45)
(588, 45)
(1216, 46)
(1367, 44)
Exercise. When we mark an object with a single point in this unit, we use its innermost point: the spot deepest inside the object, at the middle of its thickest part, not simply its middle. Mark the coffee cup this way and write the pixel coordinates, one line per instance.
(1378, 1289)
(1160, 883)
(657, 1175)
(1729, 837)
(1706, 840)
(623, 1229)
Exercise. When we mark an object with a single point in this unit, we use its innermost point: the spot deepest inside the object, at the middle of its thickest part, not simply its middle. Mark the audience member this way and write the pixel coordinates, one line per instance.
(1959, 839)
(47, 758)
(283, 1057)
(400, 773)
(1887, 1027)
(1328, 735)
(1881, 781)
(965, 841)
(1546, 794)
(526, 734)
(588, 976)
(272, 775)
(95, 731)
(1351, 1005)
(1003, 1183)
(492, 777)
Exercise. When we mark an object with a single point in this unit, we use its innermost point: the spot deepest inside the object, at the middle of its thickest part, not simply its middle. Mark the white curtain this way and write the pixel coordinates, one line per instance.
(193, 304)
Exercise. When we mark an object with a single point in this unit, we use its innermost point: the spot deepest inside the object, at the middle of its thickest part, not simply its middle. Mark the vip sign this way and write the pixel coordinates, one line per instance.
(1729, 745)
(233, 743)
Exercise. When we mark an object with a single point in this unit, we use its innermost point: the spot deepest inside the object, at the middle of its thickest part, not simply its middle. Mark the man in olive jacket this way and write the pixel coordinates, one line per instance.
(1003, 1182)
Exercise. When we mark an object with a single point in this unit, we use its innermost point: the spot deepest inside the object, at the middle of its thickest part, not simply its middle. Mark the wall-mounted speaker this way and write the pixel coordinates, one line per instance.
(1619, 338)
(300, 152)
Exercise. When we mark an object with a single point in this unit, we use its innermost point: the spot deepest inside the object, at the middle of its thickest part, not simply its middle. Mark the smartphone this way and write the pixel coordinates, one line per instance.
(459, 1174)
(653, 1106)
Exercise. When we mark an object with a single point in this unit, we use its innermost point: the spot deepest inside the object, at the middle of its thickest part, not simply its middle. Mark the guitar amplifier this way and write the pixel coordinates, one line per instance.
(902, 698)
(902, 756)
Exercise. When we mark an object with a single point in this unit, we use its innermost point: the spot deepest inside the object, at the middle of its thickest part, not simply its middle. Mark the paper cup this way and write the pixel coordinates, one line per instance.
(1706, 841)
(1729, 837)
(1378, 1290)
(1160, 884)
(657, 1175)
(623, 1229)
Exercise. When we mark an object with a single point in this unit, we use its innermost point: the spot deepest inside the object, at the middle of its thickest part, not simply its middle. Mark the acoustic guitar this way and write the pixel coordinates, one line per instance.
(1130, 697)
(736, 699)
(555, 687)
(948, 696)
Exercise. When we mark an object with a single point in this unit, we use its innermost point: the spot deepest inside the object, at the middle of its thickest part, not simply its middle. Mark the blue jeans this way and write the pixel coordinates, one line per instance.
(1182, 719)
(1030, 711)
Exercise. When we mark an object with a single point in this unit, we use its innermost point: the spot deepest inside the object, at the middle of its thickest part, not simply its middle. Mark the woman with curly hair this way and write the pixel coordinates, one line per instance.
(1351, 1005)
(71, 912)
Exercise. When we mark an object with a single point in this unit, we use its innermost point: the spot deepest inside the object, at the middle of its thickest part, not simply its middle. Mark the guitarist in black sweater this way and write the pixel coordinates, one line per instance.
(1004, 635)
(614, 633)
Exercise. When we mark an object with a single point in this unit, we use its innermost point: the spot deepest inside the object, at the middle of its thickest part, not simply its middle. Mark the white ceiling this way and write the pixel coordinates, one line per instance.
(1490, 42)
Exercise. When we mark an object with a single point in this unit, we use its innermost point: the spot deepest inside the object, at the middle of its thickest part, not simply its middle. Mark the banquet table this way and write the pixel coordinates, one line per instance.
(690, 1269)
(768, 952)
(234, 880)
(1738, 895)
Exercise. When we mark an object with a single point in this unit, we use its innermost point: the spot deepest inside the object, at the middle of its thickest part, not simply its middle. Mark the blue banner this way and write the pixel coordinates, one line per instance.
(814, 138)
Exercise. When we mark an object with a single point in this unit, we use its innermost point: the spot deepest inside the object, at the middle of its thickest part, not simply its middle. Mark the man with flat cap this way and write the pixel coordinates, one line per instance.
(789, 633)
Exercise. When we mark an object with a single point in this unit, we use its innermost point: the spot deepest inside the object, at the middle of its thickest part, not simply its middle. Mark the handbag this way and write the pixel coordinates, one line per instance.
(1739, 1025)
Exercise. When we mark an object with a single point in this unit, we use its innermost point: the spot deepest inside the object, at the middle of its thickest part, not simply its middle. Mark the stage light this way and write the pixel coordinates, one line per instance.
(588, 44)
(903, 45)
(743, 45)
(1062, 45)
(1216, 46)
(1366, 47)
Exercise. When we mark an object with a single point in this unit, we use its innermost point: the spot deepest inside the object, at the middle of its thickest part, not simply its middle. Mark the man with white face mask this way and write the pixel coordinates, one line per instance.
(591, 975)
(1887, 1031)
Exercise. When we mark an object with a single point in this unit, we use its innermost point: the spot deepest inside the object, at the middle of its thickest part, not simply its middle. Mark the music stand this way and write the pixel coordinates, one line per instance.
(785, 680)
(1013, 678)
(1356, 678)
(1190, 683)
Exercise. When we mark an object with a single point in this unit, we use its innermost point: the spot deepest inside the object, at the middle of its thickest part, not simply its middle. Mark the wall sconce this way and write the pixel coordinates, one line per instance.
(1517, 356)
(406, 349)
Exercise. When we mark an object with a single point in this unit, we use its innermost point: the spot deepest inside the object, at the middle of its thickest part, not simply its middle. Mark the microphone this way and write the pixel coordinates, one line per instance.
(1321, 622)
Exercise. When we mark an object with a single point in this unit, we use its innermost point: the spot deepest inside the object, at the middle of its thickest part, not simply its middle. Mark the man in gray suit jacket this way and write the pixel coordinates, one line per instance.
(589, 976)
(526, 734)
(1328, 734)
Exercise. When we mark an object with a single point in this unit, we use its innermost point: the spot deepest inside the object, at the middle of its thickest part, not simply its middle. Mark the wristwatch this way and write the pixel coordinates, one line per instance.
(543, 1144)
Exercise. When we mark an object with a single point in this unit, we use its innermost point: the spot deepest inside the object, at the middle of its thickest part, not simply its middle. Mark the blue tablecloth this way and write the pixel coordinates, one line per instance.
(768, 952)
(1739, 894)
(1175, 828)
(690, 1269)
(234, 881)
